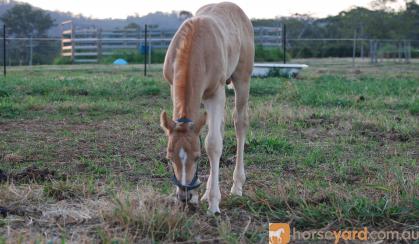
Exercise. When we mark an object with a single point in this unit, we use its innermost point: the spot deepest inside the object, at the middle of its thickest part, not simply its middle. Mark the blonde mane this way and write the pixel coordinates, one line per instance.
(183, 53)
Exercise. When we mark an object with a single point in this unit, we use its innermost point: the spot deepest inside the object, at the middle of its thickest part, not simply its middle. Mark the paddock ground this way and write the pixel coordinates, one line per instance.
(82, 156)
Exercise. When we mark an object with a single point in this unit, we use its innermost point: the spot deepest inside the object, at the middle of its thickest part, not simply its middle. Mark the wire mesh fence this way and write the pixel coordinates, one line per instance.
(47, 51)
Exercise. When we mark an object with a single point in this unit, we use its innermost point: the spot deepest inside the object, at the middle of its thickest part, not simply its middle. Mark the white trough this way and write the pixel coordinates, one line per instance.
(269, 69)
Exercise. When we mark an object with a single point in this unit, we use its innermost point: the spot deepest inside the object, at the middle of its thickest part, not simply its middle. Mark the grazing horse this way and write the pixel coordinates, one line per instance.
(211, 49)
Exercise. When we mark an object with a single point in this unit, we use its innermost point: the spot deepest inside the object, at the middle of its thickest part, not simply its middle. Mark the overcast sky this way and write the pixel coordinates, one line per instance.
(254, 9)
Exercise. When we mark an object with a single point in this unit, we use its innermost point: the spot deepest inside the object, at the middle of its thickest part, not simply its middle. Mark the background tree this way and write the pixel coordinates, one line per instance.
(26, 22)
(185, 14)
(22, 20)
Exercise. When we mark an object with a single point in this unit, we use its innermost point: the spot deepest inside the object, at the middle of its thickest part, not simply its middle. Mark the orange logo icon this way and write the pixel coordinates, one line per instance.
(279, 233)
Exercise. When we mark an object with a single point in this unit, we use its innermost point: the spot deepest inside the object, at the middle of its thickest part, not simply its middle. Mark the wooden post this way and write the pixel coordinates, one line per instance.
(409, 51)
(30, 50)
(145, 50)
(149, 54)
(99, 44)
(354, 50)
(72, 43)
(4, 50)
(399, 47)
(362, 50)
(284, 43)
(371, 52)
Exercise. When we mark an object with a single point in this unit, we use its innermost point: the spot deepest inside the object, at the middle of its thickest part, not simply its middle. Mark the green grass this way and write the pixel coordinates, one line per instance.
(336, 149)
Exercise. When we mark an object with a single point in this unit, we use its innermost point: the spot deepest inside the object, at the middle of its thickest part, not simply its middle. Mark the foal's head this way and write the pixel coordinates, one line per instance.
(184, 150)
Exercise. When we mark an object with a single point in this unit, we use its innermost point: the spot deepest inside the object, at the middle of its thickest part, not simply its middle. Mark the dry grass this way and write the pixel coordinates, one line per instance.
(143, 215)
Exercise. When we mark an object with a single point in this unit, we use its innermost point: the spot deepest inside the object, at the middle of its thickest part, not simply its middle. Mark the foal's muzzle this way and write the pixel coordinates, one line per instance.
(195, 183)
(184, 196)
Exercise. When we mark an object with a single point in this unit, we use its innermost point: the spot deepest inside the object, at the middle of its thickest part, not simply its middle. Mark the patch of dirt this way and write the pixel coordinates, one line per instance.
(5, 211)
(13, 158)
(3, 176)
(349, 179)
(30, 174)
(319, 126)
(380, 134)
(320, 120)
(360, 99)
(357, 72)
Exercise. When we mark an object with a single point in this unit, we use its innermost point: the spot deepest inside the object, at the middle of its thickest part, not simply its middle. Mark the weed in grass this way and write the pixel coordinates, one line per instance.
(139, 214)
(269, 145)
(93, 167)
(60, 190)
(314, 158)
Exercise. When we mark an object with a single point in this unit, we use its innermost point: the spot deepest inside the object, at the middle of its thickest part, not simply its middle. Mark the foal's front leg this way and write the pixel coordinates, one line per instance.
(240, 123)
(214, 147)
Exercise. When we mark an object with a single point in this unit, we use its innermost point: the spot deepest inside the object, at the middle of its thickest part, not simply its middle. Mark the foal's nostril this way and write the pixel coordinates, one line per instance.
(184, 197)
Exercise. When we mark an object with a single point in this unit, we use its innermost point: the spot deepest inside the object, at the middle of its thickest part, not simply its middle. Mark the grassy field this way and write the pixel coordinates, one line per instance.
(82, 156)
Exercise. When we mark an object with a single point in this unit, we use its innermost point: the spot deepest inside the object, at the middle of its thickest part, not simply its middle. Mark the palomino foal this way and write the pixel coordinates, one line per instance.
(209, 49)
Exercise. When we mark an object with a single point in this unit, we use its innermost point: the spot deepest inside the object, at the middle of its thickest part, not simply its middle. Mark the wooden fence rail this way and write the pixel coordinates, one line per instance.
(90, 44)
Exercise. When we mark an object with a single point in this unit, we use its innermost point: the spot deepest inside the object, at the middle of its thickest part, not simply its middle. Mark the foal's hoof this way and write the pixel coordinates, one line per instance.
(212, 213)
(236, 191)
(213, 209)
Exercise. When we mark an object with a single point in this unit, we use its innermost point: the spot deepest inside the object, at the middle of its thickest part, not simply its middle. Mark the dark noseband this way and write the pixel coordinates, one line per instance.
(183, 120)
(195, 183)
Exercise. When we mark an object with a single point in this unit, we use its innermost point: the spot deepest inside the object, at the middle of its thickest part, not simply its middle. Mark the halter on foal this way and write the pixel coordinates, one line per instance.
(209, 49)
(195, 183)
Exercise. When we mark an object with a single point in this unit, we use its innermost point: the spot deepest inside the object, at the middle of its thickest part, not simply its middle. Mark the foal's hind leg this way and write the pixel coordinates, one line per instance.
(240, 115)
(214, 146)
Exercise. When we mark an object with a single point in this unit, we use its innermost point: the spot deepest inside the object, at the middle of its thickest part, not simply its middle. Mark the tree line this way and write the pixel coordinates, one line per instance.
(379, 22)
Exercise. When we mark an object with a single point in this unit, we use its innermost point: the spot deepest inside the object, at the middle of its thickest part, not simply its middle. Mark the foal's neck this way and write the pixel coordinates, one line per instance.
(186, 101)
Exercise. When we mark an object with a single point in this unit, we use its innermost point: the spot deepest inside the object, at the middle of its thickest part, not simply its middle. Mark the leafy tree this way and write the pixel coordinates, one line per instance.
(26, 22)
(411, 19)
(185, 14)
(132, 25)
(22, 20)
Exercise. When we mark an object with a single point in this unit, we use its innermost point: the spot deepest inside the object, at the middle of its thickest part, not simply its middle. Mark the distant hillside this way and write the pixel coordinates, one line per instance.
(166, 21)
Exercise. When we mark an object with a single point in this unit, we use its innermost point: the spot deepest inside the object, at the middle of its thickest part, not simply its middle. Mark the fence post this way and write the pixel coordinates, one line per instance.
(409, 51)
(145, 50)
(99, 44)
(4, 50)
(284, 42)
(30, 50)
(362, 51)
(399, 47)
(73, 43)
(149, 54)
(354, 50)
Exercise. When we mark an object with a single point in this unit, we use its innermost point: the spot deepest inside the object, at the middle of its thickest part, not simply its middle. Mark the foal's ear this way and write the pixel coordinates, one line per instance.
(167, 124)
(200, 123)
